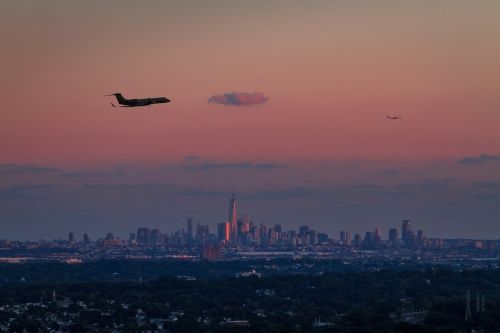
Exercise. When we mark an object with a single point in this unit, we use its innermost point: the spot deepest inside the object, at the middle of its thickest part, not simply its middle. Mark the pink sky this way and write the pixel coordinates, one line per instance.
(333, 71)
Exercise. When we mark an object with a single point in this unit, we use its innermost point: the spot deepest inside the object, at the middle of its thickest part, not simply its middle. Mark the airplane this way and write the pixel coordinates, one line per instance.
(137, 101)
(394, 117)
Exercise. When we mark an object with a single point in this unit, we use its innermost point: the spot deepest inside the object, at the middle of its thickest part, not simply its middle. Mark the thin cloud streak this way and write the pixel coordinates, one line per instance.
(208, 166)
(13, 168)
(481, 159)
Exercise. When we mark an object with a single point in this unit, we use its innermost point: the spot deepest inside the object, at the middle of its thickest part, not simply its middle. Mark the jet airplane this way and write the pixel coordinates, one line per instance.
(394, 117)
(138, 101)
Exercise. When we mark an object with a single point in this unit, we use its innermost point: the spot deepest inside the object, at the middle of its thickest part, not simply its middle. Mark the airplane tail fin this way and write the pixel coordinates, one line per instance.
(119, 97)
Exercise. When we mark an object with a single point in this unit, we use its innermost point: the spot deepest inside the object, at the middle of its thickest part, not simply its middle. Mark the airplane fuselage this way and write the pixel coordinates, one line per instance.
(139, 101)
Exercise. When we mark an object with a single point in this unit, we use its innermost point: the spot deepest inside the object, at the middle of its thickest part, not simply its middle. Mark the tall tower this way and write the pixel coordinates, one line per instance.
(190, 230)
(233, 220)
(468, 314)
(405, 230)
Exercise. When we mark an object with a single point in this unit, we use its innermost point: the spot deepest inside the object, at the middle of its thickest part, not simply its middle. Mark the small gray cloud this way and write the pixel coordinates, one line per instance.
(198, 192)
(208, 166)
(23, 191)
(90, 174)
(489, 185)
(297, 192)
(390, 172)
(191, 158)
(481, 159)
(238, 98)
(13, 168)
(429, 183)
(126, 186)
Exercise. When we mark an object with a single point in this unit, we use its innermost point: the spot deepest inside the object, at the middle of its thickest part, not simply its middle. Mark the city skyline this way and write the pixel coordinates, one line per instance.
(235, 230)
(282, 103)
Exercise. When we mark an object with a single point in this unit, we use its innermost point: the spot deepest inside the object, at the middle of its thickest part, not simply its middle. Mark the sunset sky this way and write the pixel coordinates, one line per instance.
(317, 149)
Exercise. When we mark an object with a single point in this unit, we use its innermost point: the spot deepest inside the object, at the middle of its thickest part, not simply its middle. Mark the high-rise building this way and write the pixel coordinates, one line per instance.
(322, 238)
(420, 238)
(342, 237)
(348, 238)
(311, 236)
(377, 236)
(369, 239)
(202, 233)
(224, 231)
(143, 235)
(357, 240)
(303, 230)
(233, 220)
(405, 230)
(190, 230)
(86, 239)
(263, 234)
(211, 252)
(155, 236)
(71, 237)
(393, 236)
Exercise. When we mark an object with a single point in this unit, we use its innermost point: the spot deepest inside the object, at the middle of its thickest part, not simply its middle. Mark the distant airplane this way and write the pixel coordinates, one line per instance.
(394, 117)
(138, 102)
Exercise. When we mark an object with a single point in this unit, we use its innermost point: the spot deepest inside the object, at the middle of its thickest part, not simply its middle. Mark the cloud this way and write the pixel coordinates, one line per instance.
(429, 183)
(199, 192)
(191, 157)
(390, 172)
(207, 166)
(12, 168)
(481, 159)
(90, 174)
(238, 98)
(126, 186)
(23, 191)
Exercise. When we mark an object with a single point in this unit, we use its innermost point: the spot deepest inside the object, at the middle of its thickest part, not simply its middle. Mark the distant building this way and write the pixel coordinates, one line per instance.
(233, 219)
(71, 237)
(348, 238)
(190, 231)
(406, 233)
(155, 236)
(86, 239)
(393, 236)
(322, 238)
(311, 237)
(144, 235)
(369, 240)
(224, 231)
(420, 238)
(211, 252)
(377, 236)
(342, 237)
(357, 240)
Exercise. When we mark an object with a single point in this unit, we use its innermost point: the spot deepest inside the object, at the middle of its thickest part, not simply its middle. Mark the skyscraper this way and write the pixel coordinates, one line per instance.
(342, 237)
(155, 236)
(393, 236)
(143, 235)
(233, 220)
(190, 230)
(348, 237)
(71, 237)
(405, 230)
